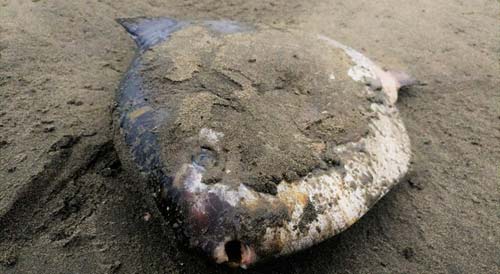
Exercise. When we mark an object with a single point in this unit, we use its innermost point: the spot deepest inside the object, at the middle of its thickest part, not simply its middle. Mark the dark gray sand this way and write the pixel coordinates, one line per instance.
(257, 107)
(67, 207)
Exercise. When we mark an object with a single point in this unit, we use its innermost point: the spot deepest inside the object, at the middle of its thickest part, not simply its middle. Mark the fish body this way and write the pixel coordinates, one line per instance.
(262, 141)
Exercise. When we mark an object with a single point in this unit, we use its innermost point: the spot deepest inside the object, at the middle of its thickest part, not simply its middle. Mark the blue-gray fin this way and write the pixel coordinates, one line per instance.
(148, 32)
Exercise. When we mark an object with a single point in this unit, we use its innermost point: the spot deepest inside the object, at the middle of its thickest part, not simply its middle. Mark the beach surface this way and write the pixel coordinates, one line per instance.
(66, 206)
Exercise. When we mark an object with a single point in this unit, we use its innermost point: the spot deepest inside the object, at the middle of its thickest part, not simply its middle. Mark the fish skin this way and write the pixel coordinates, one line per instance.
(217, 218)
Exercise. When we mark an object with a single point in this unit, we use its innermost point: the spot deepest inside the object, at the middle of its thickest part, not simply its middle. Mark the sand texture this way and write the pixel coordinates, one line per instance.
(66, 205)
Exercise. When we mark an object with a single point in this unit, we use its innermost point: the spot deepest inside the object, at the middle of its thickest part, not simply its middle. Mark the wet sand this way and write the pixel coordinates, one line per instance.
(66, 206)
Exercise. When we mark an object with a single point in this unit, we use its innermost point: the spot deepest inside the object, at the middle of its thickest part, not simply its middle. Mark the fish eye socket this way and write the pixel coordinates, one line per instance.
(206, 157)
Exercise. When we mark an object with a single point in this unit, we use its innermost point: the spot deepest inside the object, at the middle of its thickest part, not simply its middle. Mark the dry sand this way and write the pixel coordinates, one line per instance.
(66, 207)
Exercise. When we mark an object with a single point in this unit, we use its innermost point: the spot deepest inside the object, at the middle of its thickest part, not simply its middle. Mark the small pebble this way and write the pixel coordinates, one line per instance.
(9, 259)
(74, 102)
(113, 268)
(408, 253)
(106, 172)
(89, 133)
(48, 129)
(20, 157)
(66, 141)
(291, 176)
(3, 143)
(415, 184)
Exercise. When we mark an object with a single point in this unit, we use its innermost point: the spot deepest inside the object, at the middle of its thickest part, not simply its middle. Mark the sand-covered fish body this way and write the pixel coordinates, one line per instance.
(266, 141)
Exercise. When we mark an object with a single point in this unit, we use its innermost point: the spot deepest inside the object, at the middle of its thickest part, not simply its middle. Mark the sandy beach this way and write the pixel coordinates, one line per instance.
(66, 205)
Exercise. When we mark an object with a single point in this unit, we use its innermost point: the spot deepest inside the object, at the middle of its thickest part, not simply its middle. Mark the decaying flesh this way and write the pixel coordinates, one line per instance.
(234, 223)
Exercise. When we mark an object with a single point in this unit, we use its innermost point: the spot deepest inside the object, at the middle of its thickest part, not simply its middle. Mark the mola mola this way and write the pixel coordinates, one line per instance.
(257, 141)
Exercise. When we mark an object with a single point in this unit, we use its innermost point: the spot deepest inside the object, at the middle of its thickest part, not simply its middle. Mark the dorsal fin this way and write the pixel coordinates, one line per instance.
(148, 32)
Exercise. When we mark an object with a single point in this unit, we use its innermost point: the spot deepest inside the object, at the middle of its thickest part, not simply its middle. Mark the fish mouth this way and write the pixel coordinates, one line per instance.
(235, 254)
(212, 224)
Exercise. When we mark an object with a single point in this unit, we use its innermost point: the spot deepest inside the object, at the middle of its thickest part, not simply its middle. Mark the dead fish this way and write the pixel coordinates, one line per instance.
(263, 141)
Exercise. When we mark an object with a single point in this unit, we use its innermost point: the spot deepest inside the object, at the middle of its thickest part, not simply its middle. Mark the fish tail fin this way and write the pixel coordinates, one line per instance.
(148, 32)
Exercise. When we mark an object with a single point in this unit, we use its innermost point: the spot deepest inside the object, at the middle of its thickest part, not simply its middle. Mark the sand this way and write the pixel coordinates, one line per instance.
(66, 206)
(255, 108)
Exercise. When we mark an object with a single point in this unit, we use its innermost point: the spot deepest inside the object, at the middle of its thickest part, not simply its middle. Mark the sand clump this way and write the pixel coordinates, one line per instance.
(278, 101)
